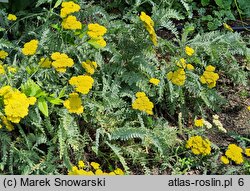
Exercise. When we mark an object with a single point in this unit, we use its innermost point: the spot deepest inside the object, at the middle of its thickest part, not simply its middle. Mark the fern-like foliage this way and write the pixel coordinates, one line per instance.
(161, 137)
(68, 134)
(5, 142)
(222, 49)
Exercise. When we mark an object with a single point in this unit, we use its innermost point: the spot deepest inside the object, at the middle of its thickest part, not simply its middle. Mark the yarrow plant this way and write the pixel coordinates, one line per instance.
(71, 23)
(209, 77)
(234, 153)
(74, 104)
(198, 145)
(89, 66)
(30, 47)
(96, 33)
(3, 54)
(82, 83)
(11, 17)
(78, 82)
(61, 61)
(69, 8)
(142, 103)
(149, 24)
(15, 103)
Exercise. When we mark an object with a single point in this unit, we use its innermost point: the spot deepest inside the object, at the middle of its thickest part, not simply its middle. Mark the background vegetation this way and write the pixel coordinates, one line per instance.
(51, 139)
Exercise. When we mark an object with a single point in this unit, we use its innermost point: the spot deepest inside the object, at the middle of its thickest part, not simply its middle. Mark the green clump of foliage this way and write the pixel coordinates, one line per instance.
(50, 138)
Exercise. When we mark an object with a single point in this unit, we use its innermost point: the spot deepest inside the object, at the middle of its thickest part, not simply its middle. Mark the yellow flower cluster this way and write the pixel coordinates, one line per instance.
(45, 62)
(189, 51)
(224, 160)
(199, 145)
(11, 17)
(15, 103)
(198, 122)
(61, 61)
(6, 123)
(142, 103)
(183, 64)
(234, 153)
(68, 8)
(96, 32)
(209, 77)
(149, 24)
(71, 23)
(177, 77)
(83, 83)
(3, 54)
(89, 66)
(95, 169)
(30, 47)
(74, 104)
(154, 81)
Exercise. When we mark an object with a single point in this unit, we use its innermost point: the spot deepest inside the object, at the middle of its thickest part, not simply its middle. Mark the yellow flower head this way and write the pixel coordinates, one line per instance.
(95, 30)
(15, 104)
(146, 19)
(81, 164)
(68, 8)
(89, 66)
(189, 51)
(199, 145)
(149, 25)
(209, 77)
(71, 23)
(95, 165)
(210, 68)
(177, 77)
(234, 153)
(30, 47)
(6, 123)
(198, 122)
(224, 160)
(11, 17)
(154, 81)
(61, 61)
(74, 104)
(83, 83)
(190, 67)
(142, 103)
(248, 108)
(3, 54)
(45, 62)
